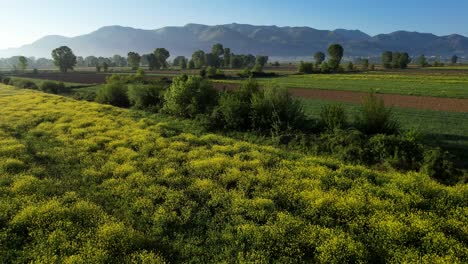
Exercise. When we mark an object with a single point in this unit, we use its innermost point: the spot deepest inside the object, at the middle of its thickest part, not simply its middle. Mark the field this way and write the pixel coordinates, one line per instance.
(127, 186)
(427, 83)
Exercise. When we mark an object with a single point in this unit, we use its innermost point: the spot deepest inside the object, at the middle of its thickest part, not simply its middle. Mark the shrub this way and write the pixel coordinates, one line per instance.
(24, 84)
(325, 67)
(438, 165)
(146, 97)
(35, 71)
(245, 73)
(347, 145)
(257, 68)
(333, 117)
(350, 66)
(52, 87)
(233, 110)
(375, 118)
(189, 96)
(202, 73)
(114, 92)
(400, 152)
(6, 80)
(274, 108)
(306, 67)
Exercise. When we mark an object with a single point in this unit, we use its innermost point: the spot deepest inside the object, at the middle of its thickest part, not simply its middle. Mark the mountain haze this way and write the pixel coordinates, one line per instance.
(242, 38)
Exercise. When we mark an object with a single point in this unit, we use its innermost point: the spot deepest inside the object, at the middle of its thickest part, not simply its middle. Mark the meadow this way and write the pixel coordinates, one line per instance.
(85, 182)
(429, 83)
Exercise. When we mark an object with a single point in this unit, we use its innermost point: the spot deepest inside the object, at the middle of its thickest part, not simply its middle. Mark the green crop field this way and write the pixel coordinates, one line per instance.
(84, 182)
(406, 83)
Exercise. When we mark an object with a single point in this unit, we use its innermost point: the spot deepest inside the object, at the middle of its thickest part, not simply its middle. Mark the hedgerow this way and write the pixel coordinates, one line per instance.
(85, 182)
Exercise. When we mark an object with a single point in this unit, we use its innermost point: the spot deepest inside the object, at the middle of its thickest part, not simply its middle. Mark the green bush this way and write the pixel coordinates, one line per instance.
(52, 87)
(146, 97)
(24, 84)
(6, 80)
(375, 118)
(347, 145)
(400, 152)
(233, 110)
(190, 96)
(325, 67)
(333, 117)
(114, 92)
(274, 108)
(438, 165)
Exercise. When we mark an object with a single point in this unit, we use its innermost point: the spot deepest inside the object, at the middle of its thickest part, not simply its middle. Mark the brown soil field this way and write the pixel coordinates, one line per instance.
(405, 101)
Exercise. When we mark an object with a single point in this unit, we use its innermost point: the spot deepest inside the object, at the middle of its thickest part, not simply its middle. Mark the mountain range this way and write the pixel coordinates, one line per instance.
(242, 38)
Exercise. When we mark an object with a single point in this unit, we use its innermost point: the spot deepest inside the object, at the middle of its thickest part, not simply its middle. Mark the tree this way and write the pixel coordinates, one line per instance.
(422, 61)
(350, 66)
(64, 58)
(217, 49)
(305, 67)
(198, 58)
(183, 64)
(80, 62)
(387, 58)
(23, 63)
(396, 60)
(153, 62)
(319, 57)
(191, 64)
(261, 60)
(454, 59)
(336, 52)
(227, 57)
(404, 60)
(211, 60)
(162, 55)
(236, 62)
(133, 60)
(365, 64)
(178, 61)
(105, 66)
(91, 61)
(119, 61)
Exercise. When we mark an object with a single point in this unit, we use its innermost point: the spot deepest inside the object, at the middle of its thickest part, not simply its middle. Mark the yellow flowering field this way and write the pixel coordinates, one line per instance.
(82, 182)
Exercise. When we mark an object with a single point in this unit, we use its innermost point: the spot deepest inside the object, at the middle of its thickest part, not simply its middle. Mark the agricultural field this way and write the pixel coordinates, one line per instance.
(129, 186)
(429, 83)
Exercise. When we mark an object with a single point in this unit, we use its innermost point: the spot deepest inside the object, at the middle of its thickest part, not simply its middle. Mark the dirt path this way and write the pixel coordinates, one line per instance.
(406, 101)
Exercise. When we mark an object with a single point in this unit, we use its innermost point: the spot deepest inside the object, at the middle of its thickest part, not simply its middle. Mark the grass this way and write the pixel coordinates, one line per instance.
(38, 82)
(446, 129)
(437, 84)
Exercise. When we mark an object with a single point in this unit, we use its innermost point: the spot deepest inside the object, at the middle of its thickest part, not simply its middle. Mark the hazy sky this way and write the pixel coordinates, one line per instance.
(24, 21)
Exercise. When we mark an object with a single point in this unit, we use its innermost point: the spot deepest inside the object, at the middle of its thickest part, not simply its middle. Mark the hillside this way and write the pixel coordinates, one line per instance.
(84, 182)
(242, 38)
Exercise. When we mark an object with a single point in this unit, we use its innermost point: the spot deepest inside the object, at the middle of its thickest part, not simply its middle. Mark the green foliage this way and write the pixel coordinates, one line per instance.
(319, 57)
(52, 87)
(387, 58)
(365, 64)
(274, 108)
(21, 83)
(325, 67)
(454, 59)
(234, 108)
(189, 96)
(335, 51)
(161, 55)
(23, 63)
(350, 66)
(438, 165)
(146, 97)
(375, 118)
(306, 67)
(422, 61)
(114, 92)
(64, 58)
(333, 117)
(133, 60)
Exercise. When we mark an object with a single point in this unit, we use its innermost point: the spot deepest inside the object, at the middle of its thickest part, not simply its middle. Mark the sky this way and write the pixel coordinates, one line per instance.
(24, 21)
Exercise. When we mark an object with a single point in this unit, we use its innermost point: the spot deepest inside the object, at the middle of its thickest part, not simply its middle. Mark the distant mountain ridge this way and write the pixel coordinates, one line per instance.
(243, 38)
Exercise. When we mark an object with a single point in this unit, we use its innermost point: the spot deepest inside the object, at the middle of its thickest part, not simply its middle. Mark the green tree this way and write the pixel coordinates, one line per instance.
(198, 58)
(162, 55)
(153, 62)
(404, 60)
(23, 63)
(191, 64)
(454, 59)
(365, 64)
(227, 57)
(217, 50)
(64, 58)
(261, 60)
(422, 61)
(336, 52)
(387, 58)
(305, 67)
(105, 66)
(319, 57)
(133, 60)
(178, 61)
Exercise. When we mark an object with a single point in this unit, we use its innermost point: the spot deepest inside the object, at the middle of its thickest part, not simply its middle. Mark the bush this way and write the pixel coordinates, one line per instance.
(146, 97)
(274, 108)
(333, 117)
(202, 73)
(52, 87)
(245, 73)
(35, 71)
(438, 165)
(233, 110)
(24, 84)
(113, 93)
(325, 67)
(306, 67)
(189, 96)
(375, 118)
(6, 80)
(346, 145)
(400, 152)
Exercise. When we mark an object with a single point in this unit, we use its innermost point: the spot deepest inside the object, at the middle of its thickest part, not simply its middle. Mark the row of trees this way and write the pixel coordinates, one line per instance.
(335, 54)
